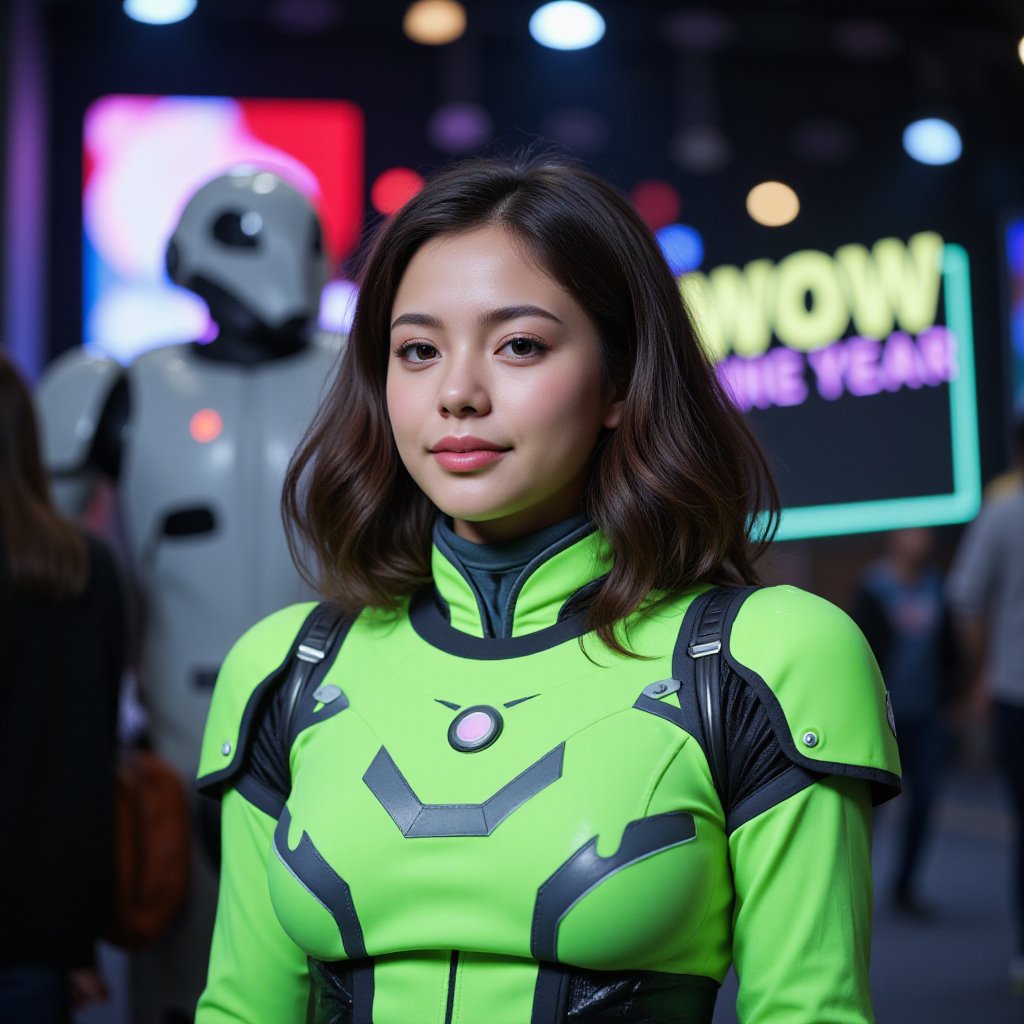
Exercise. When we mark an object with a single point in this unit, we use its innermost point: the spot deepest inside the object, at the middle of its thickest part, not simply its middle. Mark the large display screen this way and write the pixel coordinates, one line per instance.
(144, 156)
(856, 368)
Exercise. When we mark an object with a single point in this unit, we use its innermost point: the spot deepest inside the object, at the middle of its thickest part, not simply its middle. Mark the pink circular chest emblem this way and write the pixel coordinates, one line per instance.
(474, 726)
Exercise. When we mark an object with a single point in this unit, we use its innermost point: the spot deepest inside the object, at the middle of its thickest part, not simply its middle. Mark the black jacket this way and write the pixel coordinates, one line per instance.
(60, 672)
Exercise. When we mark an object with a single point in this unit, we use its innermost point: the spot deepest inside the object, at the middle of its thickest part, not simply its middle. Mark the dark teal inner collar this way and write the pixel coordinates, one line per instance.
(495, 573)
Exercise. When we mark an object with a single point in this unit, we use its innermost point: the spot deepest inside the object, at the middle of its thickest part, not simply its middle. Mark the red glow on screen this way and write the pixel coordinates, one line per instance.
(326, 136)
(394, 188)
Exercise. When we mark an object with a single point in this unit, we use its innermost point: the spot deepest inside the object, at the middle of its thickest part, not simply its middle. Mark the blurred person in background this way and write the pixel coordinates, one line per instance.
(900, 607)
(61, 652)
(986, 588)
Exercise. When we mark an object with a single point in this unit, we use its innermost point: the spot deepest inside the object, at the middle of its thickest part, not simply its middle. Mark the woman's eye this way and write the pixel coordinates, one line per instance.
(418, 352)
(523, 347)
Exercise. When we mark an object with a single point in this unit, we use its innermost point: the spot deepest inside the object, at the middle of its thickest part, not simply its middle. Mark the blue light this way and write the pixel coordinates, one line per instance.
(682, 247)
(159, 12)
(932, 141)
(566, 25)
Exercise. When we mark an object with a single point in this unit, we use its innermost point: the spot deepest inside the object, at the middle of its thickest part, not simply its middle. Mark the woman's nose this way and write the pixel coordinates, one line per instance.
(464, 391)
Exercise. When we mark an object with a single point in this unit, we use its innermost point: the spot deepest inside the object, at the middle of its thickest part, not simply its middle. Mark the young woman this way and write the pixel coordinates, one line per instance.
(61, 652)
(548, 771)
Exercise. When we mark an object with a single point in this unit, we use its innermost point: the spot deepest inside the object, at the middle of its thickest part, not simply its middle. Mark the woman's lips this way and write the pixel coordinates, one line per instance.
(464, 462)
(466, 453)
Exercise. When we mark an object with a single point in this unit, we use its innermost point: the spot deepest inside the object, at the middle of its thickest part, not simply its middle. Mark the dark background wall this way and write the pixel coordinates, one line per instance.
(760, 72)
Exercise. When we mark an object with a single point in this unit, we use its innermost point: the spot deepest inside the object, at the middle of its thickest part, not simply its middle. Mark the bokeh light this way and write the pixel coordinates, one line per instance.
(158, 12)
(394, 188)
(583, 131)
(701, 149)
(932, 141)
(682, 247)
(772, 204)
(566, 25)
(338, 306)
(459, 127)
(657, 202)
(434, 22)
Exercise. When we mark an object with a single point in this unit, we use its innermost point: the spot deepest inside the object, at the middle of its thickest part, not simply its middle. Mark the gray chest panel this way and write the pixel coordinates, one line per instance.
(205, 457)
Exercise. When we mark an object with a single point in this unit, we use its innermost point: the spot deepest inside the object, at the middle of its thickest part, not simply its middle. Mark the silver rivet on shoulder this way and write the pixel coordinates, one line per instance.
(226, 748)
(661, 688)
(810, 739)
(327, 693)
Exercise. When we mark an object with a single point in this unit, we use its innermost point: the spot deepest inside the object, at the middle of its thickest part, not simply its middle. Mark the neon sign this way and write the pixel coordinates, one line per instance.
(857, 368)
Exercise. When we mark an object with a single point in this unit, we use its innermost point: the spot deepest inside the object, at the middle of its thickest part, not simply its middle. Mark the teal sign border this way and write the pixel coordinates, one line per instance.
(930, 509)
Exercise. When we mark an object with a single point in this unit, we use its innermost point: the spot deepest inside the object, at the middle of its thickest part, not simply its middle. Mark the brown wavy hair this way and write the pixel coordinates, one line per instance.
(46, 555)
(680, 488)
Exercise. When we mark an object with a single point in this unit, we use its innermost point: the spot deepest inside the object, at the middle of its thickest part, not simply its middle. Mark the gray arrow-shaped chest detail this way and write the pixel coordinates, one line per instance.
(418, 820)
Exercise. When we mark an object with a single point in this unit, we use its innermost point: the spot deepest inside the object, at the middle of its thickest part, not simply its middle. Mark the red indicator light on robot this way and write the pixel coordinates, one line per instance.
(206, 426)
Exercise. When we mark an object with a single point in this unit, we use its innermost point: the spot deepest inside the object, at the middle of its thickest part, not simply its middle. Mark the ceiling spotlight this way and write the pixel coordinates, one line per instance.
(566, 25)
(772, 204)
(158, 12)
(434, 22)
(932, 141)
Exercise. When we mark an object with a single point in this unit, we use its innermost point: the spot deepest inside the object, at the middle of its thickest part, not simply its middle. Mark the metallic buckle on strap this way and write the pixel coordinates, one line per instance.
(310, 654)
(703, 650)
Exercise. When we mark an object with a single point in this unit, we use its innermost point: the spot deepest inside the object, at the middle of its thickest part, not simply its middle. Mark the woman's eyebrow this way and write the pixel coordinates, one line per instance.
(497, 316)
(418, 320)
(492, 316)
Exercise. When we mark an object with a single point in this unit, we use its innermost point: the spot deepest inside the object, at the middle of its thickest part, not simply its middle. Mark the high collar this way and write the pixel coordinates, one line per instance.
(540, 597)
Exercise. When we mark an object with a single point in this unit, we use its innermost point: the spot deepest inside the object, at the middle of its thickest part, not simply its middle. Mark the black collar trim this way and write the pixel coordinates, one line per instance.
(430, 625)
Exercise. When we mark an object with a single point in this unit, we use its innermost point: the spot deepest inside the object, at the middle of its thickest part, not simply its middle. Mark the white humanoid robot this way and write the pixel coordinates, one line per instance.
(196, 439)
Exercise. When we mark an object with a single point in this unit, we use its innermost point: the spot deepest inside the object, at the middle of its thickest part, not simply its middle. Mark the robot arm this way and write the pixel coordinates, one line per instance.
(83, 407)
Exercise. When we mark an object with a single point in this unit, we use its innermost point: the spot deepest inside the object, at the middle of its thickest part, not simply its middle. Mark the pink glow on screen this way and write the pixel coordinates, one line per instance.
(144, 156)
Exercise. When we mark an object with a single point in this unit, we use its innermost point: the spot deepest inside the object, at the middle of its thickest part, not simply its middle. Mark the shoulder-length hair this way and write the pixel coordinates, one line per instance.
(46, 555)
(680, 488)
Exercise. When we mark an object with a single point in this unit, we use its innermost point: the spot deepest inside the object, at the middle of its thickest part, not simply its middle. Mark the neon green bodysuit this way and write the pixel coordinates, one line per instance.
(521, 830)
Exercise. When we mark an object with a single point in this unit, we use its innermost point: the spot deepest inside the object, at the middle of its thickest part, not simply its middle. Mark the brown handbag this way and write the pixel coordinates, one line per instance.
(152, 846)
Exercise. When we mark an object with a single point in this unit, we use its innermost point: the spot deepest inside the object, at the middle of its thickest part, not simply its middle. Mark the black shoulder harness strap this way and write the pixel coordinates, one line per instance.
(703, 642)
(314, 648)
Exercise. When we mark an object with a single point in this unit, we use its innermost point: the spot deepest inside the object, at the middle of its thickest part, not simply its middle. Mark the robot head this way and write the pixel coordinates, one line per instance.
(251, 246)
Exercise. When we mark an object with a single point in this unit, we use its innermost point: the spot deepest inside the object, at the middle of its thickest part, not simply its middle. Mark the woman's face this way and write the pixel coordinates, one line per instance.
(494, 386)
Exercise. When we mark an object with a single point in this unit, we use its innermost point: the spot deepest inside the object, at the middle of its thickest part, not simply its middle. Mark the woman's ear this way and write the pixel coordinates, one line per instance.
(615, 403)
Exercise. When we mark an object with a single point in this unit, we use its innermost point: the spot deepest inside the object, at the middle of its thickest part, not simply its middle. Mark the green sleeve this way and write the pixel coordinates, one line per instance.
(802, 918)
(257, 974)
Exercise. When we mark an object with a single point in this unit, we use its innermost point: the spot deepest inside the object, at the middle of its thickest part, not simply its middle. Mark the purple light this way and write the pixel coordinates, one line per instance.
(459, 127)
(305, 16)
(578, 129)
